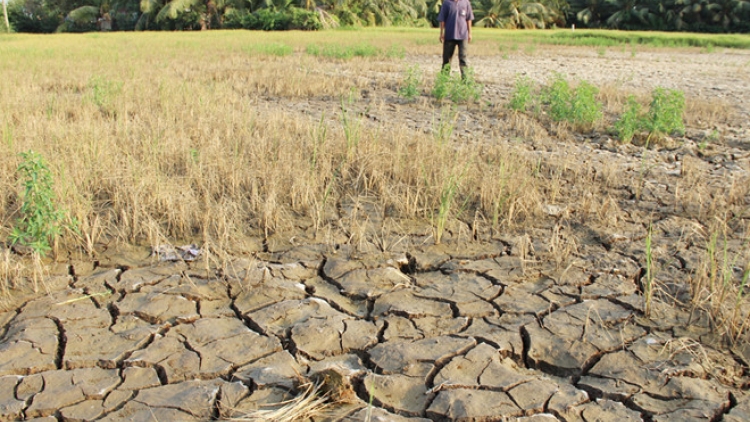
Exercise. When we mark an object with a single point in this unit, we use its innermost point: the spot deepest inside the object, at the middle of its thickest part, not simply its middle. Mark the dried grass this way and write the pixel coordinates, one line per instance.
(310, 403)
(197, 139)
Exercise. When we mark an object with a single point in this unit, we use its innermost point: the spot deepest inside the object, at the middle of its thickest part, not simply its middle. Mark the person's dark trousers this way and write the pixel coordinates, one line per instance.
(449, 47)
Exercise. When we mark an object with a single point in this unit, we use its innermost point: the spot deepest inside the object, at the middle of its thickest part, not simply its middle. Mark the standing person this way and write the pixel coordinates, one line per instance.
(455, 31)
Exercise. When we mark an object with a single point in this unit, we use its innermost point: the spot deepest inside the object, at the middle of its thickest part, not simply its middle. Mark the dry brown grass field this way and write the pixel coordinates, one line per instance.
(377, 254)
(244, 142)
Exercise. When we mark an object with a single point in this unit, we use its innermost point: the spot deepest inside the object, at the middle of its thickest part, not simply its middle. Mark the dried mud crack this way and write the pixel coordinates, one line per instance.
(423, 354)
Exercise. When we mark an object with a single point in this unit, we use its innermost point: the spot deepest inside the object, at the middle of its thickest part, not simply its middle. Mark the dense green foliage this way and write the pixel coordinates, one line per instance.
(89, 15)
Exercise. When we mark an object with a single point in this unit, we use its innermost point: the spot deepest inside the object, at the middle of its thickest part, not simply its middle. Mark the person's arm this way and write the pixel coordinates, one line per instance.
(442, 31)
(468, 28)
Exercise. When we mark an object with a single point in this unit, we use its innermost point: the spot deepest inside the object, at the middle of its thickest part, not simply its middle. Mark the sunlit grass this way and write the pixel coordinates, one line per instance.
(218, 136)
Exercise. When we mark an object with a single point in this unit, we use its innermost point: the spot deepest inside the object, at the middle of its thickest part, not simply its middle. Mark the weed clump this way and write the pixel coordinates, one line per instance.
(41, 220)
(457, 89)
(578, 106)
(663, 117)
(412, 81)
(522, 96)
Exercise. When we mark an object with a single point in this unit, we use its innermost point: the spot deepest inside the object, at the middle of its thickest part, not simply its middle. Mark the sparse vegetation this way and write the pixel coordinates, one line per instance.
(459, 89)
(196, 137)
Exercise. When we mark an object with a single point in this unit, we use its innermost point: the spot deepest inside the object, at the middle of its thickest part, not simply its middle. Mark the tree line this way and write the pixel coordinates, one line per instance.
(128, 15)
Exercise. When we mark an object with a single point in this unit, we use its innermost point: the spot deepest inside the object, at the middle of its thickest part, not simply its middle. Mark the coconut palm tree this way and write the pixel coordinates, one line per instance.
(629, 14)
(205, 14)
(96, 10)
(588, 12)
(513, 14)
(726, 12)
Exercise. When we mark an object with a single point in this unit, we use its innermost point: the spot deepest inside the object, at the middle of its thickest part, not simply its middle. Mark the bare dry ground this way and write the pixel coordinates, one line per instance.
(540, 318)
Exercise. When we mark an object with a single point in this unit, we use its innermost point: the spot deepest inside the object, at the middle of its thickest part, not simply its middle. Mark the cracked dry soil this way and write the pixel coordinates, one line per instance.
(468, 330)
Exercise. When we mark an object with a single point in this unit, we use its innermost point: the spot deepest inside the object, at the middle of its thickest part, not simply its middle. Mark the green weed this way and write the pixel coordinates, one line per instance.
(443, 130)
(466, 88)
(448, 192)
(630, 121)
(558, 96)
(104, 92)
(272, 49)
(412, 81)
(396, 51)
(665, 112)
(443, 81)
(41, 220)
(522, 95)
(457, 89)
(663, 117)
(352, 128)
(335, 51)
(584, 107)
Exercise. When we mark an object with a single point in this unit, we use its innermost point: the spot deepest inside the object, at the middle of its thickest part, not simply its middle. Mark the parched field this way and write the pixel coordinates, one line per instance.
(413, 258)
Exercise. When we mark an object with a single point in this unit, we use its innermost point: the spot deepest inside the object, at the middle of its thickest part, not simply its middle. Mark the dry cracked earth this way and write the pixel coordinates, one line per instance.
(472, 331)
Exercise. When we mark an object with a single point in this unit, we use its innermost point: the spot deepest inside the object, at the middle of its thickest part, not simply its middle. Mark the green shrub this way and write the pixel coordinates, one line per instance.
(442, 84)
(466, 88)
(584, 107)
(665, 112)
(40, 220)
(410, 88)
(458, 89)
(558, 97)
(578, 106)
(521, 97)
(631, 120)
(664, 116)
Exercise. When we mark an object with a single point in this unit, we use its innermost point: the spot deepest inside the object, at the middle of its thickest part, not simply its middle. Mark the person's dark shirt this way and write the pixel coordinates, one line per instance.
(455, 14)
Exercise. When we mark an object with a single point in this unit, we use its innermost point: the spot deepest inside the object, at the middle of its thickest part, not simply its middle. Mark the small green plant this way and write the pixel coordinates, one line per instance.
(665, 112)
(458, 89)
(352, 127)
(443, 130)
(664, 116)
(521, 97)
(396, 51)
(558, 96)
(630, 121)
(601, 51)
(41, 221)
(448, 192)
(104, 92)
(466, 88)
(272, 49)
(442, 88)
(335, 51)
(585, 109)
(413, 79)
